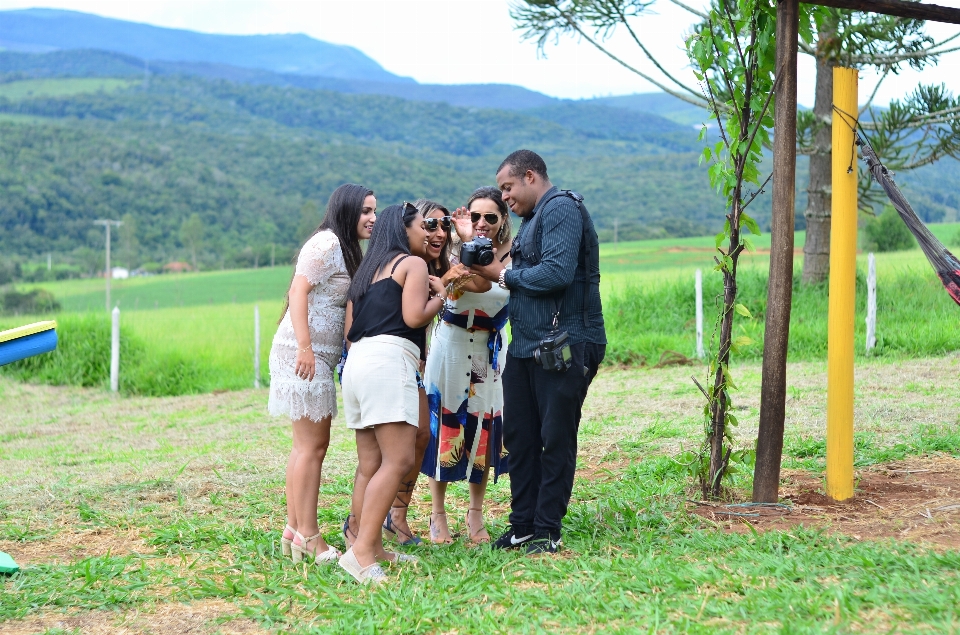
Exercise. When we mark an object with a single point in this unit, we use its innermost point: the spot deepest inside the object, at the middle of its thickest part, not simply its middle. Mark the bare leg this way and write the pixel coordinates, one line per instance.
(475, 513)
(310, 440)
(389, 447)
(398, 511)
(439, 531)
(289, 488)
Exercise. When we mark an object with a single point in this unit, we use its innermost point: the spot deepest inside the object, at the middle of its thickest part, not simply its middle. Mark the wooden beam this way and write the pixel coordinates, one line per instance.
(773, 386)
(915, 10)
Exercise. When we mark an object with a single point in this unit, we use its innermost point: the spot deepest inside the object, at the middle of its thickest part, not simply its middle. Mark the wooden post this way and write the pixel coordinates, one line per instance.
(843, 287)
(256, 346)
(773, 387)
(871, 303)
(698, 285)
(115, 349)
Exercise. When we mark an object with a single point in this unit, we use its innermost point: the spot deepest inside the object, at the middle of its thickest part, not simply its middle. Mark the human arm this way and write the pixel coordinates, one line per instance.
(348, 322)
(464, 279)
(306, 364)
(561, 228)
(423, 294)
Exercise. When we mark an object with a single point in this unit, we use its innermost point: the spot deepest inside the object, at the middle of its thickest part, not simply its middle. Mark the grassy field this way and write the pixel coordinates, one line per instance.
(60, 87)
(161, 515)
(203, 323)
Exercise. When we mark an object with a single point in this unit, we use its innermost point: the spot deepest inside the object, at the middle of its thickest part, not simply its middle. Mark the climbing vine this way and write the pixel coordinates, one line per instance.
(733, 52)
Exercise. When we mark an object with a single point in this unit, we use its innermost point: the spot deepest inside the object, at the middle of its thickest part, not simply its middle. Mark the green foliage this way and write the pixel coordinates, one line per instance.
(82, 358)
(888, 232)
(36, 301)
(915, 318)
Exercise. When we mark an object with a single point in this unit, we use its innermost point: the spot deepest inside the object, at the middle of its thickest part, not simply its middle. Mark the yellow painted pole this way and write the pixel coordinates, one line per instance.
(843, 287)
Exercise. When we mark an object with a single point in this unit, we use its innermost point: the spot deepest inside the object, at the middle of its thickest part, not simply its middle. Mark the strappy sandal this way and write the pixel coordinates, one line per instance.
(347, 532)
(435, 533)
(300, 551)
(476, 537)
(403, 538)
(285, 543)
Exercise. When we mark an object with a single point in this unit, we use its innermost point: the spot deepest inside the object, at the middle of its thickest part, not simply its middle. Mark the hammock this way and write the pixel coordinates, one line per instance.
(943, 262)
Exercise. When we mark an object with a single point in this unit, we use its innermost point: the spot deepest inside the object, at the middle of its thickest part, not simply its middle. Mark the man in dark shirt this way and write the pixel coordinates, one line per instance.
(555, 272)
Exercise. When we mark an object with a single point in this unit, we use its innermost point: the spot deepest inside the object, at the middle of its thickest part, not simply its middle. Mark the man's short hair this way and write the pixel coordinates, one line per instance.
(523, 160)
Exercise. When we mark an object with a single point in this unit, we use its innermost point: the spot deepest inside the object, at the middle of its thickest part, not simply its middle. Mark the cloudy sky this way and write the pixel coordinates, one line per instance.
(468, 41)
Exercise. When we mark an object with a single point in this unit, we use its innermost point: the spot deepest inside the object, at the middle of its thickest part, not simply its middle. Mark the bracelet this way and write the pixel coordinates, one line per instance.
(305, 349)
(502, 281)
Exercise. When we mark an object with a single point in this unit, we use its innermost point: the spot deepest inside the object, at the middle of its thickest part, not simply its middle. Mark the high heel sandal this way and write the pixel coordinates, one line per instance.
(300, 551)
(347, 532)
(286, 543)
(474, 536)
(403, 538)
(434, 533)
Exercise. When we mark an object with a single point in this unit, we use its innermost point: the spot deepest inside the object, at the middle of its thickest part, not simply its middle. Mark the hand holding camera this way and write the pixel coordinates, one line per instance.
(478, 251)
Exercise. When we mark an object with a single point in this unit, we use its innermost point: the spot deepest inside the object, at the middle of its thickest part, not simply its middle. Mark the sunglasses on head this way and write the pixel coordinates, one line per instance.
(492, 219)
(431, 224)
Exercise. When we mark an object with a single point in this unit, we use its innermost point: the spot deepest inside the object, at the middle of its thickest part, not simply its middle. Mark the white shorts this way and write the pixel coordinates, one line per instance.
(380, 382)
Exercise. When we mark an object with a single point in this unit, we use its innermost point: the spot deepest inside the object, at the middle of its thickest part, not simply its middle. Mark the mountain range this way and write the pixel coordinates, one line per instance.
(252, 151)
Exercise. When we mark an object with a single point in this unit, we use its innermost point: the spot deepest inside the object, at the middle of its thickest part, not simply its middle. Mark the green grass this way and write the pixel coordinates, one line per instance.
(202, 323)
(61, 87)
(188, 495)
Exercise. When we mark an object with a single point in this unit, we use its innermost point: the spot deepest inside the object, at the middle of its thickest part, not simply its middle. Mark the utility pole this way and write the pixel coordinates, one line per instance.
(109, 273)
(616, 226)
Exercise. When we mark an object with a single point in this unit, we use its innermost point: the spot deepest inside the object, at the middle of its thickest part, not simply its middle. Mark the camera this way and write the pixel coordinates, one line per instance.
(553, 352)
(478, 251)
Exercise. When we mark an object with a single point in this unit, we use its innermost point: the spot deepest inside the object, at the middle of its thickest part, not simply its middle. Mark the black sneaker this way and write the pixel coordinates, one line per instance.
(543, 542)
(511, 540)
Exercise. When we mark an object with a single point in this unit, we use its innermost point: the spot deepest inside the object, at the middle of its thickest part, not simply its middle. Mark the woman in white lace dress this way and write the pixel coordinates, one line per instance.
(305, 352)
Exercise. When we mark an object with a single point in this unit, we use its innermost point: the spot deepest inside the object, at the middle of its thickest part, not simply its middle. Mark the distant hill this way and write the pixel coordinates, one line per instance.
(43, 30)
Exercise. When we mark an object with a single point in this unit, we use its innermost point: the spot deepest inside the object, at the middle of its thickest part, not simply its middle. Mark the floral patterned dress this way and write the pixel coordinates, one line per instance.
(464, 390)
(321, 263)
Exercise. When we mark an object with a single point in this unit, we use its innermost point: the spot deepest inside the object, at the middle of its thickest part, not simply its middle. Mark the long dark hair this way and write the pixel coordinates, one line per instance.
(343, 215)
(441, 264)
(389, 240)
(494, 194)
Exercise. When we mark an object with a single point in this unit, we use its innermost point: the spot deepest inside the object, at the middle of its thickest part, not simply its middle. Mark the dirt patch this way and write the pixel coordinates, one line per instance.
(917, 500)
(213, 616)
(67, 547)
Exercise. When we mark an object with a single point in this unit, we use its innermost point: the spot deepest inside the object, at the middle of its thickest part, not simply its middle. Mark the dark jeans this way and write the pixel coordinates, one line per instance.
(541, 417)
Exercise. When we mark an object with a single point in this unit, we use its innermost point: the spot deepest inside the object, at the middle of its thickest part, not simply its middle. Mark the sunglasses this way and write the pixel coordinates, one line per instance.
(492, 219)
(431, 224)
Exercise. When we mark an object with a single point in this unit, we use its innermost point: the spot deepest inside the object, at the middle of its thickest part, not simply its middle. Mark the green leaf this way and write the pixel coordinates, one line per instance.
(742, 310)
(750, 224)
(742, 341)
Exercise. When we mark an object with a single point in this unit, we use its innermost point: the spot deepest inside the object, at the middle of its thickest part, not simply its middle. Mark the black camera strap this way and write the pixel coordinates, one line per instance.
(588, 247)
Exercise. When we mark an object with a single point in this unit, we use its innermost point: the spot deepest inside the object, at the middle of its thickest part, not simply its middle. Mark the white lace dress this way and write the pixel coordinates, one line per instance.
(321, 263)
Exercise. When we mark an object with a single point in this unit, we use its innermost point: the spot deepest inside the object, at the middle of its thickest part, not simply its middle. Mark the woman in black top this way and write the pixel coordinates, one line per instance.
(391, 300)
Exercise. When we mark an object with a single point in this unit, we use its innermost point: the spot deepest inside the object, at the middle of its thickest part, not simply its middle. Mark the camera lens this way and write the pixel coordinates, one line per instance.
(485, 257)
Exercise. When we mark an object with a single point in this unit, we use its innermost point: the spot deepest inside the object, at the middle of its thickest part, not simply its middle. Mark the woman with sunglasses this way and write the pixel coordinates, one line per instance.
(463, 377)
(438, 223)
(391, 300)
(305, 350)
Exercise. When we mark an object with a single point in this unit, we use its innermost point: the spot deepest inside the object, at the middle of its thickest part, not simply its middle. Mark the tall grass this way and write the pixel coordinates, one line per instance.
(915, 317)
(82, 358)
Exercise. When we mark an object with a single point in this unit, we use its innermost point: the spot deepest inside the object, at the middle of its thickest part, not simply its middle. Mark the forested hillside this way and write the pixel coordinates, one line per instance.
(227, 173)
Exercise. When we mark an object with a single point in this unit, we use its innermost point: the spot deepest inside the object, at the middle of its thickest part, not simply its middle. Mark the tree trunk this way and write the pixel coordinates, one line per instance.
(816, 248)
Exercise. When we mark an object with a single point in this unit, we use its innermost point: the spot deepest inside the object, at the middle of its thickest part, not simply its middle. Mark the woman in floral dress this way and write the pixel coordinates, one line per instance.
(463, 378)
(305, 351)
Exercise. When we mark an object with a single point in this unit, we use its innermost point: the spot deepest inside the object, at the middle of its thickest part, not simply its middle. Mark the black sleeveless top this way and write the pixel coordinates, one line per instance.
(379, 311)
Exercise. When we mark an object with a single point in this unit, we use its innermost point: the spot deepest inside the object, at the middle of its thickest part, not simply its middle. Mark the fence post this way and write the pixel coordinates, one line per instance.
(871, 302)
(256, 345)
(115, 350)
(699, 287)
